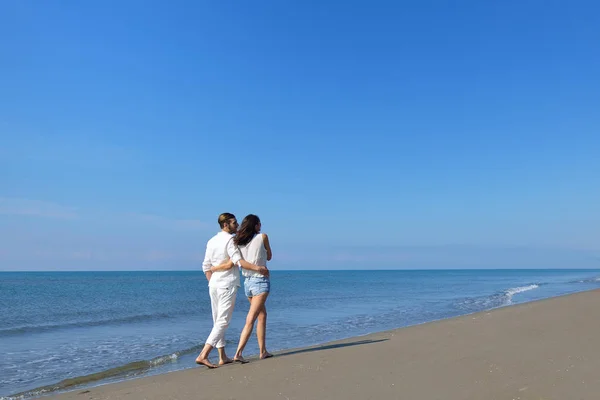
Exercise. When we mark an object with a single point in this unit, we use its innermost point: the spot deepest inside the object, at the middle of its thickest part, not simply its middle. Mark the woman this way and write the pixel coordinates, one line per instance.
(255, 249)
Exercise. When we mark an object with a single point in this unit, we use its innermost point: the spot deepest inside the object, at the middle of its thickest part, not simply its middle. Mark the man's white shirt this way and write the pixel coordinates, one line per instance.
(219, 249)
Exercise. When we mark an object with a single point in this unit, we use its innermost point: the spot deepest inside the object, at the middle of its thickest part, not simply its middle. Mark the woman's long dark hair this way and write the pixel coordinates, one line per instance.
(247, 230)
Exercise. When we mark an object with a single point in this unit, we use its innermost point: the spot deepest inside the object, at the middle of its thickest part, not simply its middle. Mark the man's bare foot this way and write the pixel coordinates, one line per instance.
(240, 359)
(225, 361)
(205, 362)
(264, 355)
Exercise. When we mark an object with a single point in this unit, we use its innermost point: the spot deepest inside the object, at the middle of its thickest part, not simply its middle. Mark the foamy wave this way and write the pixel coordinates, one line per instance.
(498, 299)
(128, 370)
(32, 393)
(164, 359)
(587, 280)
(511, 292)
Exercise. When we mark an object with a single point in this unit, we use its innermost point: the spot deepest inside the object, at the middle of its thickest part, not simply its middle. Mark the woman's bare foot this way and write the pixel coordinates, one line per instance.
(205, 362)
(225, 361)
(240, 359)
(264, 355)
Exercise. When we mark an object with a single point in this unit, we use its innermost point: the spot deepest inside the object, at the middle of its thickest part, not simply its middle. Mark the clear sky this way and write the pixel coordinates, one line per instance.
(400, 134)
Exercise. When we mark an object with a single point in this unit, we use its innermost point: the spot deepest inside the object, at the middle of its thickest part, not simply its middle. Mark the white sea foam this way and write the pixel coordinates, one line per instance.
(164, 359)
(511, 292)
(589, 280)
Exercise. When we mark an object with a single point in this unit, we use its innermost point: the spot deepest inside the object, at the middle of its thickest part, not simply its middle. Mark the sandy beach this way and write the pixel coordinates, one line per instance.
(544, 350)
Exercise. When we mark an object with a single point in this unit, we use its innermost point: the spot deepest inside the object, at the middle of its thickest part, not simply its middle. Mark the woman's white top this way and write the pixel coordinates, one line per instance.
(255, 253)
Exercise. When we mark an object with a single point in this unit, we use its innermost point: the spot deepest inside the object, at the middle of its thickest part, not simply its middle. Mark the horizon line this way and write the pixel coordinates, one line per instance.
(311, 270)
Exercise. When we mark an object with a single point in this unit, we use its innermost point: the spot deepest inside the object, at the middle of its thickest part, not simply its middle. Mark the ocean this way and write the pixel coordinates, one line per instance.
(66, 330)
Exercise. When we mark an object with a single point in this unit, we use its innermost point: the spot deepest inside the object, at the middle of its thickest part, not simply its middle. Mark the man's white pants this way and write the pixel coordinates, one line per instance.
(222, 301)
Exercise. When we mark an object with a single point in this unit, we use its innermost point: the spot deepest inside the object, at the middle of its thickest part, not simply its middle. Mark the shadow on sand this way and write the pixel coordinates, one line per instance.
(326, 347)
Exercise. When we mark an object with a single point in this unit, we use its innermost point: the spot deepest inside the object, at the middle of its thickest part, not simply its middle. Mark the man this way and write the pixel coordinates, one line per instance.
(220, 266)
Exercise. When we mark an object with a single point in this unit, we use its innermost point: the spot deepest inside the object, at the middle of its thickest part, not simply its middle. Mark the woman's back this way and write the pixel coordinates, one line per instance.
(255, 253)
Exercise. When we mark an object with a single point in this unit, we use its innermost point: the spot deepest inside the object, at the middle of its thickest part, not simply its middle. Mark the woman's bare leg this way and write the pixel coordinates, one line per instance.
(261, 332)
(256, 305)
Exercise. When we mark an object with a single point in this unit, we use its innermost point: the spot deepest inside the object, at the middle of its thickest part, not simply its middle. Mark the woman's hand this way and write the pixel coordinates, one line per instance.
(222, 267)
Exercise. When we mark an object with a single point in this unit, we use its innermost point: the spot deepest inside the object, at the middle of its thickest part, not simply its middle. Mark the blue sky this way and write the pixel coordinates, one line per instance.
(422, 134)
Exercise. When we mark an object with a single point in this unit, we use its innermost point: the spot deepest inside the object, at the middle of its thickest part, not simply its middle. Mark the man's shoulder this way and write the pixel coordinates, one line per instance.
(221, 237)
(215, 238)
(225, 236)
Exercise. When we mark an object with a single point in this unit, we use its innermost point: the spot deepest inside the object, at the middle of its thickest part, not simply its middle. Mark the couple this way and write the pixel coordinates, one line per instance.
(250, 250)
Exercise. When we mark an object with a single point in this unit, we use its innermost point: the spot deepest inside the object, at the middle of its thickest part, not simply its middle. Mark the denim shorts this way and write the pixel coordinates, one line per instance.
(253, 286)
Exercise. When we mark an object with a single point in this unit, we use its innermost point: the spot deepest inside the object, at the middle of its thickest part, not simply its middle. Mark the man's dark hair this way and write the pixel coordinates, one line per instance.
(224, 219)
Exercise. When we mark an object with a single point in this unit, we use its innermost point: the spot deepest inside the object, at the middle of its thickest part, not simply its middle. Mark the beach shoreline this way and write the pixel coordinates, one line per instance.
(401, 361)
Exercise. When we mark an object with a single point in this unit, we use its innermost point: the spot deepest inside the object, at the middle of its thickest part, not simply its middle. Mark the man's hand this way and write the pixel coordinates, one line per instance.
(263, 271)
